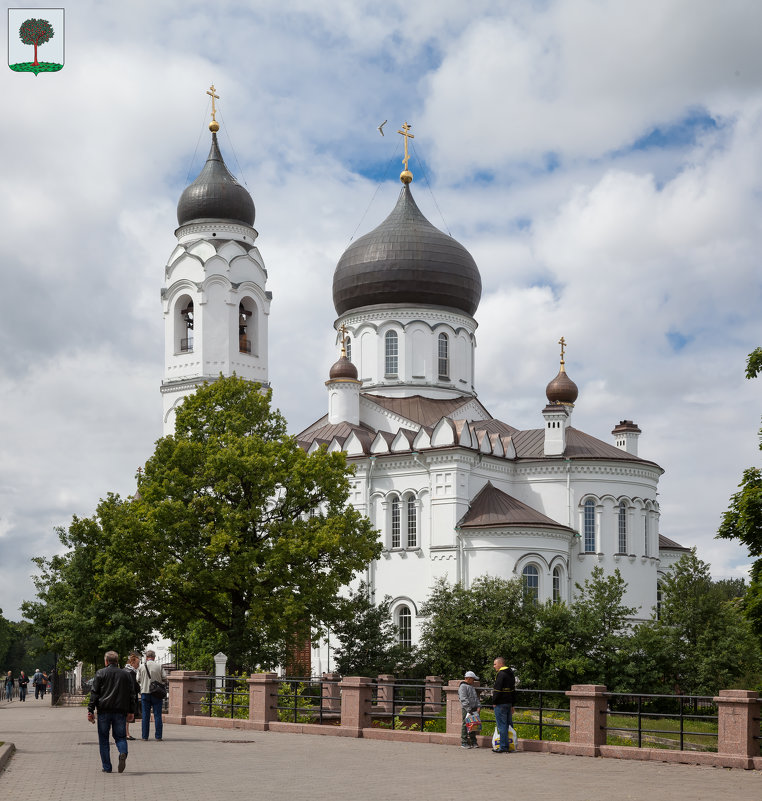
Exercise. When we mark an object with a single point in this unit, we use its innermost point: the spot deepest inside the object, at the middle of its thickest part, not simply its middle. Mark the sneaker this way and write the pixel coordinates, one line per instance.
(474, 745)
(122, 762)
(464, 745)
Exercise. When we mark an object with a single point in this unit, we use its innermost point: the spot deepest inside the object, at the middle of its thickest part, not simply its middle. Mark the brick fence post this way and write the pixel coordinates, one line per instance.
(186, 688)
(587, 708)
(452, 702)
(385, 695)
(738, 726)
(432, 695)
(331, 699)
(263, 698)
(356, 692)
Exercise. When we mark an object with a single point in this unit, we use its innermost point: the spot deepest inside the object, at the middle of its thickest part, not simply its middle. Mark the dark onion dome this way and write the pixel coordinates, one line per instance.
(343, 368)
(406, 260)
(562, 389)
(215, 194)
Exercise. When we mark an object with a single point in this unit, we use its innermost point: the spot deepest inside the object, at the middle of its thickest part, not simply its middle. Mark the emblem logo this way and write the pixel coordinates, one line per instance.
(36, 39)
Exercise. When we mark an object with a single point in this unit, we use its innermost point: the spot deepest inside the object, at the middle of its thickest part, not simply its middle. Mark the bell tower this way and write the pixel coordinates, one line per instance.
(214, 299)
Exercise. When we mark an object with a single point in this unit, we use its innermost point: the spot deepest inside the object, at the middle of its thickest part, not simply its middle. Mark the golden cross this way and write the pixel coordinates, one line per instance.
(406, 133)
(562, 343)
(214, 97)
(343, 330)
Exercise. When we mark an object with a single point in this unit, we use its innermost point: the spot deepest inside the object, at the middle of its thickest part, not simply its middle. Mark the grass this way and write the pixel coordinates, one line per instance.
(30, 66)
(664, 729)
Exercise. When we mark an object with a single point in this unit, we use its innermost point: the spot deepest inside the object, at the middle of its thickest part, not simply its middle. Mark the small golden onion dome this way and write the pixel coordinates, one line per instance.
(214, 126)
(343, 368)
(562, 389)
(406, 176)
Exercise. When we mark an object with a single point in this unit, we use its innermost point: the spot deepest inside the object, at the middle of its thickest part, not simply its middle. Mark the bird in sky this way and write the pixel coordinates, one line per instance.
(381, 127)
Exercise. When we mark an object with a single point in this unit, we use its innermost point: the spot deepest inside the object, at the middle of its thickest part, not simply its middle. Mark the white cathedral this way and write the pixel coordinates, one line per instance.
(453, 491)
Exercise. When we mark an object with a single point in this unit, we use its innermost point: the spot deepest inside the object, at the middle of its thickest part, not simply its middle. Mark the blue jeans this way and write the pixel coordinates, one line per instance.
(503, 719)
(117, 723)
(22, 692)
(148, 703)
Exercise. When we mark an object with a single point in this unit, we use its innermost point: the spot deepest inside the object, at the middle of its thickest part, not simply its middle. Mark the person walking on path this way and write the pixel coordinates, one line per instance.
(133, 663)
(150, 671)
(23, 682)
(9, 686)
(502, 699)
(37, 682)
(469, 703)
(113, 695)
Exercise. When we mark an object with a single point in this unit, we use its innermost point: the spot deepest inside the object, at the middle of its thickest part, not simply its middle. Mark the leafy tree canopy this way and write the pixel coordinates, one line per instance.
(241, 528)
(35, 31)
(87, 599)
(368, 639)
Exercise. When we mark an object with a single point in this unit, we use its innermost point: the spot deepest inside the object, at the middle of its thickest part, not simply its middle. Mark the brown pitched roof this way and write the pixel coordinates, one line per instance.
(666, 544)
(424, 411)
(323, 431)
(530, 445)
(493, 508)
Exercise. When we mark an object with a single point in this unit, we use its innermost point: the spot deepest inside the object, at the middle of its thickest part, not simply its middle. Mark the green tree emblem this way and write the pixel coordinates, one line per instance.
(36, 32)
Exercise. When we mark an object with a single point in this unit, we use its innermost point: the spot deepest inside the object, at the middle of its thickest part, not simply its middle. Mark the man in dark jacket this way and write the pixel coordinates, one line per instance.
(502, 699)
(113, 695)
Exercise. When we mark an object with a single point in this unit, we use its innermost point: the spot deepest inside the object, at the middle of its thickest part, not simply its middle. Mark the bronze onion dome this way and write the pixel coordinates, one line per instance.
(562, 389)
(343, 368)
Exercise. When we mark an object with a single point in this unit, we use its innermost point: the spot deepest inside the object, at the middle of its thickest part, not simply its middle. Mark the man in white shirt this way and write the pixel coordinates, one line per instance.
(148, 672)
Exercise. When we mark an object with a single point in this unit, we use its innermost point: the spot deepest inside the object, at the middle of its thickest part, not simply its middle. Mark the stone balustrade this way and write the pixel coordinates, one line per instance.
(738, 738)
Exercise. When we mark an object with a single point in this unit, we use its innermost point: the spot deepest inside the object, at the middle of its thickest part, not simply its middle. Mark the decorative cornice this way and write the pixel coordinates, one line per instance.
(379, 315)
(243, 231)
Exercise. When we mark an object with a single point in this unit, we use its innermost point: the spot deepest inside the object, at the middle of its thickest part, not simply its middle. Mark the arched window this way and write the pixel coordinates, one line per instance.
(395, 522)
(184, 325)
(246, 326)
(622, 527)
(444, 357)
(556, 585)
(405, 626)
(412, 523)
(531, 578)
(391, 352)
(646, 549)
(589, 525)
(658, 600)
(348, 346)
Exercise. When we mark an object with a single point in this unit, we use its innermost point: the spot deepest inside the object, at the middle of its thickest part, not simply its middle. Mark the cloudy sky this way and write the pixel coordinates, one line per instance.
(601, 160)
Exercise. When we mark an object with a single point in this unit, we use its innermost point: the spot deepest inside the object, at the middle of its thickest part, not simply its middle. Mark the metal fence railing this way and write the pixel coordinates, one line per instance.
(308, 700)
(406, 703)
(681, 722)
(222, 697)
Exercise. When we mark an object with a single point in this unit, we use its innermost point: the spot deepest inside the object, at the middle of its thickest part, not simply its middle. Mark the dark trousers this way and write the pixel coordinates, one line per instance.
(115, 722)
(148, 702)
(466, 737)
(503, 719)
(22, 692)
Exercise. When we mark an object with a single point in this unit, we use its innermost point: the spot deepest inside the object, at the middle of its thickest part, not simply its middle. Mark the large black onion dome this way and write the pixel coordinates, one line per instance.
(215, 194)
(562, 389)
(406, 260)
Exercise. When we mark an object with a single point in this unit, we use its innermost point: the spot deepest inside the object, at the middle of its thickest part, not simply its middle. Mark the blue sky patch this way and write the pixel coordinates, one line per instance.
(677, 341)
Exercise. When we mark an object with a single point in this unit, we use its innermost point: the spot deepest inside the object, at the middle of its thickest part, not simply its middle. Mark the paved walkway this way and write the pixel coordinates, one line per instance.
(57, 760)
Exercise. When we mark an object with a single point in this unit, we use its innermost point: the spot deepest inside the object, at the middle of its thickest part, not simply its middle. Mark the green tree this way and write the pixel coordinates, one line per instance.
(88, 602)
(240, 528)
(367, 638)
(35, 32)
(701, 643)
(743, 520)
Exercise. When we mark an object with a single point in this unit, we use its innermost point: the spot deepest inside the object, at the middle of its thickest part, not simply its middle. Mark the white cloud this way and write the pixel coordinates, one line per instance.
(616, 249)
